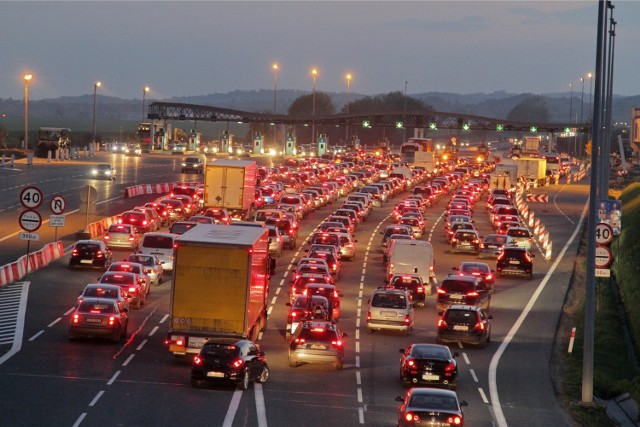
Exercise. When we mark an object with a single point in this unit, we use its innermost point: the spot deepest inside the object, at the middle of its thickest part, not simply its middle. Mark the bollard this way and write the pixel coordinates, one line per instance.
(536, 228)
(12, 160)
(547, 255)
(49, 156)
(4, 159)
(29, 159)
(531, 218)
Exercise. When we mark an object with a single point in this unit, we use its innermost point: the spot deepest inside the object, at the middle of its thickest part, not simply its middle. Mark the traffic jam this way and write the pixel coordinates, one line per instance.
(142, 251)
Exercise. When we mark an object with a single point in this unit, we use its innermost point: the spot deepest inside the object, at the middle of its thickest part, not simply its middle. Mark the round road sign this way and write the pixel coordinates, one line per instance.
(604, 257)
(30, 220)
(58, 204)
(31, 197)
(604, 233)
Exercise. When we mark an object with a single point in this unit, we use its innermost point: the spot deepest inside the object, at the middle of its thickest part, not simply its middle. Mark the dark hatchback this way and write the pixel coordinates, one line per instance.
(468, 290)
(428, 364)
(465, 324)
(91, 254)
(229, 360)
(515, 261)
(430, 407)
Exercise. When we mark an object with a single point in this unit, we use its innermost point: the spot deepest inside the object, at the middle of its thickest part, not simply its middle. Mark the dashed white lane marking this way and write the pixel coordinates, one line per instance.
(260, 406)
(164, 319)
(95, 399)
(233, 408)
(466, 358)
(54, 322)
(482, 395)
(129, 359)
(142, 344)
(36, 335)
(473, 374)
(79, 420)
(153, 331)
(113, 378)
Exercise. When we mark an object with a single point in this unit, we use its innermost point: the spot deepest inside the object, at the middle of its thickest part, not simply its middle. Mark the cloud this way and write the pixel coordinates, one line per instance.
(467, 24)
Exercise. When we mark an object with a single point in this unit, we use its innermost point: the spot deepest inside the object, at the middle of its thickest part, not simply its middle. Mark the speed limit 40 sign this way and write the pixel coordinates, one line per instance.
(31, 197)
(604, 233)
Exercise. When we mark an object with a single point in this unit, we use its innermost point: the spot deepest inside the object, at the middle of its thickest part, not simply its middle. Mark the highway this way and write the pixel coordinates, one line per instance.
(47, 379)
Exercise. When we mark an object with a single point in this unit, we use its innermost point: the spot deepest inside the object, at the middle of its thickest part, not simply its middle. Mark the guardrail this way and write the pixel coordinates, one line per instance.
(16, 270)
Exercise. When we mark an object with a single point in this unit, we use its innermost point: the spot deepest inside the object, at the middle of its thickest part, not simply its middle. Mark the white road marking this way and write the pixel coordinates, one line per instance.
(482, 395)
(473, 374)
(22, 308)
(166, 316)
(54, 322)
(95, 399)
(129, 359)
(113, 378)
(141, 345)
(466, 358)
(260, 407)
(233, 408)
(79, 420)
(154, 330)
(36, 335)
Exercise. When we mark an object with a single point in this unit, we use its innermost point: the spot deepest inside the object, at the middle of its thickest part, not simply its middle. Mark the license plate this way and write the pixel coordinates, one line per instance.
(388, 313)
(460, 328)
(90, 320)
(215, 374)
(455, 296)
(514, 262)
(431, 377)
(86, 261)
(465, 244)
(318, 347)
(196, 342)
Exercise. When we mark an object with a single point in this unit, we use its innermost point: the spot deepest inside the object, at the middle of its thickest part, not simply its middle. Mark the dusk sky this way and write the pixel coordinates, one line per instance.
(182, 48)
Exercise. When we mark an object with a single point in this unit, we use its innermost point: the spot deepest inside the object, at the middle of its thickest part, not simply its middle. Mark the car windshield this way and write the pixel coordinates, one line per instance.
(429, 352)
(461, 316)
(219, 350)
(518, 233)
(457, 286)
(383, 300)
(162, 242)
(95, 308)
(436, 402)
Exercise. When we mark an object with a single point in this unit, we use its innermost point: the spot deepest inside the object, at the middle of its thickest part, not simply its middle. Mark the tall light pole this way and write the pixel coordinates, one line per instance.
(275, 68)
(27, 79)
(348, 77)
(96, 85)
(590, 76)
(581, 99)
(144, 98)
(404, 115)
(314, 74)
(571, 118)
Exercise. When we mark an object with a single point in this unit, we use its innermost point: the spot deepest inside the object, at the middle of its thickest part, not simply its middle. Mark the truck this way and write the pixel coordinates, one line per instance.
(231, 184)
(531, 146)
(533, 169)
(413, 257)
(220, 285)
(510, 169)
(425, 159)
(500, 180)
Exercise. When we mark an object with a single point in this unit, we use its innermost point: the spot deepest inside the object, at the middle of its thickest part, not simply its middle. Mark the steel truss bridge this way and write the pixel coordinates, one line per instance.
(432, 120)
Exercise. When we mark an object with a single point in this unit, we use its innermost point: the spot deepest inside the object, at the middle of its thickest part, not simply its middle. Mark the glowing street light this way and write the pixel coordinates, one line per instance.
(144, 97)
(314, 74)
(27, 79)
(275, 68)
(348, 77)
(96, 85)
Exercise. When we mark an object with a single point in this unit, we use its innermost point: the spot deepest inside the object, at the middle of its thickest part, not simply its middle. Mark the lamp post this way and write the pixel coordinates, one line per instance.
(314, 74)
(590, 91)
(96, 85)
(144, 97)
(404, 115)
(581, 99)
(571, 114)
(275, 68)
(348, 77)
(27, 79)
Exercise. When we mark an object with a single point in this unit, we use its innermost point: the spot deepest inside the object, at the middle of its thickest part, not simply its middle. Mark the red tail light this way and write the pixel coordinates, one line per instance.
(197, 361)
(456, 420)
(368, 316)
(106, 237)
(479, 326)
(489, 277)
(131, 238)
(527, 256)
(412, 417)
(420, 290)
(112, 320)
(450, 367)
(74, 252)
(337, 344)
(99, 254)
(299, 341)
(76, 318)
(237, 363)
(132, 290)
(442, 323)
(407, 319)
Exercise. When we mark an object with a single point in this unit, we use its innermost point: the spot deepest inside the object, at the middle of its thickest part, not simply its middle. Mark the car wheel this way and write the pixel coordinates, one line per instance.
(117, 336)
(292, 363)
(72, 337)
(264, 375)
(339, 365)
(196, 383)
(138, 304)
(244, 384)
(483, 343)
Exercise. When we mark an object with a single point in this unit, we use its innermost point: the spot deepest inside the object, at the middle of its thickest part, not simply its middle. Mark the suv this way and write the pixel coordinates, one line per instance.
(411, 283)
(465, 241)
(468, 290)
(90, 253)
(390, 309)
(466, 324)
(515, 260)
(317, 342)
(521, 237)
(192, 164)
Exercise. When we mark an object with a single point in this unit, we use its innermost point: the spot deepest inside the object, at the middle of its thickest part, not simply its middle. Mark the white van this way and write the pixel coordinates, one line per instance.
(161, 245)
(413, 256)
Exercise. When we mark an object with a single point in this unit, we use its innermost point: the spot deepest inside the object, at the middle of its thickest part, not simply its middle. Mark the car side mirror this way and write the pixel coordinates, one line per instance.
(456, 268)
(456, 354)
(399, 399)
(381, 232)
(489, 316)
(464, 403)
(125, 310)
(344, 335)
(533, 255)
(401, 351)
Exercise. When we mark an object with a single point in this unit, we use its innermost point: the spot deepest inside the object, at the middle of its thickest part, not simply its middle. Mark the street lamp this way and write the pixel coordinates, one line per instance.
(96, 85)
(27, 79)
(314, 74)
(590, 90)
(144, 97)
(275, 67)
(581, 99)
(348, 77)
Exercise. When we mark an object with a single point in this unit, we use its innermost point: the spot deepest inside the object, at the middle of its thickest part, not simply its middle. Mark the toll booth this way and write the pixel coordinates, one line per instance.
(258, 140)
(290, 144)
(193, 140)
(323, 141)
(226, 143)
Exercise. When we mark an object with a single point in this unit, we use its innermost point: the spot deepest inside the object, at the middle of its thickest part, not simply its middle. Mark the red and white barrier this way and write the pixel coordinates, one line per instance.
(14, 271)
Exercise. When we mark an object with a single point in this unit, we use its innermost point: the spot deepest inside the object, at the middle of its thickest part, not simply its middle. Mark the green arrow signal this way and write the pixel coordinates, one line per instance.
(533, 129)
(465, 126)
(499, 128)
(366, 124)
(433, 126)
(399, 125)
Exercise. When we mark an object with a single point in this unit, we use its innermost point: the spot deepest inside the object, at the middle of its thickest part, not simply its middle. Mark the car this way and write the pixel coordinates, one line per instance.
(288, 231)
(98, 317)
(90, 253)
(159, 244)
(133, 267)
(201, 219)
(328, 291)
(416, 224)
(303, 308)
(466, 241)
(103, 171)
(505, 226)
(428, 364)
(136, 293)
(122, 236)
(192, 164)
(464, 324)
(141, 221)
(303, 279)
(390, 309)
(175, 208)
(492, 245)
(179, 148)
(459, 226)
(477, 269)
(317, 342)
(219, 215)
(411, 283)
(231, 360)
(521, 237)
(395, 229)
(117, 147)
(331, 257)
(515, 260)
(181, 227)
(468, 290)
(133, 150)
(276, 242)
(153, 265)
(430, 407)
(104, 291)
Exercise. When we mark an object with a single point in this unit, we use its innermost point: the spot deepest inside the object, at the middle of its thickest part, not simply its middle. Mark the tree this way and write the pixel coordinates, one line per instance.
(3, 135)
(391, 102)
(303, 105)
(532, 109)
